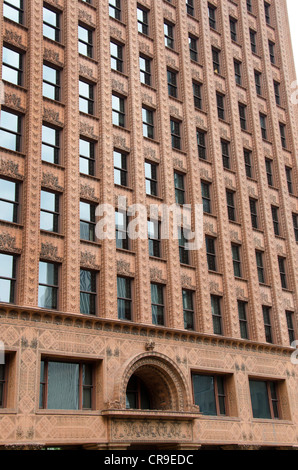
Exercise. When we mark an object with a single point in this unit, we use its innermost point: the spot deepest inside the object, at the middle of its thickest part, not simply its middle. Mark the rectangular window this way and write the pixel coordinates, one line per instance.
(193, 48)
(209, 394)
(120, 168)
(274, 212)
(143, 20)
(258, 82)
(118, 111)
(190, 7)
(248, 163)
(211, 253)
(87, 158)
(157, 304)
(282, 129)
(267, 12)
(260, 266)
(220, 106)
(175, 134)
(10, 131)
(49, 211)
(48, 285)
(216, 60)
(236, 260)
(289, 179)
(85, 41)
(12, 69)
(50, 147)
(267, 323)
(169, 35)
(3, 383)
(115, 9)
(179, 188)
(249, 6)
(290, 324)
(188, 309)
(212, 16)
(201, 142)
(145, 70)
(87, 221)
(87, 292)
(197, 94)
(277, 92)
(233, 29)
(148, 123)
(51, 26)
(151, 179)
(282, 272)
(231, 205)
(253, 212)
(264, 399)
(242, 116)
(237, 69)
(154, 238)
(121, 223)
(268, 164)
(124, 298)
(172, 83)
(242, 307)
(253, 41)
(51, 83)
(66, 385)
(13, 10)
(216, 315)
(263, 124)
(225, 152)
(206, 197)
(116, 56)
(7, 278)
(295, 225)
(271, 52)
(9, 200)
(183, 240)
(86, 97)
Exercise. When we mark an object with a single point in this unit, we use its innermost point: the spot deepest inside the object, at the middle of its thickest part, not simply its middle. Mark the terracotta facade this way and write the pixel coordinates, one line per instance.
(164, 357)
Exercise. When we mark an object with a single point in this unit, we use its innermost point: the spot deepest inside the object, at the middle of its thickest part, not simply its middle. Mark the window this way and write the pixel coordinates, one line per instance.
(242, 307)
(172, 83)
(51, 83)
(249, 6)
(51, 25)
(236, 260)
(263, 124)
(188, 309)
(49, 211)
(258, 82)
(290, 325)
(260, 266)
(216, 314)
(283, 139)
(268, 164)
(225, 151)
(267, 323)
(87, 158)
(274, 212)
(272, 52)
(145, 70)
(48, 285)
(282, 272)
(201, 141)
(124, 298)
(9, 200)
(212, 16)
(13, 10)
(295, 225)
(179, 188)
(175, 134)
(277, 92)
(151, 179)
(154, 238)
(137, 395)
(220, 106)
(3, 383)
(197, 94)
(7, 278)
(183, 240)
(121, 223)
(264, 399)
(216, 60)
(211, 254)
(237, 69)
(253, 212)
(253, 43)
(87, 292)
(148, 123)
(157, 304)
(190, 7)
(193, 48)
(143, 22)
(248, 164)
(120, 168)
(118, 111)
(267, 12)
(86, 97)
(206, 197)
(242, 115)
(116, 56)
(85, 41)
(115, 9)
(231, 205)
(169, 35)
(10, 131)
(289, 179)
(12, 70)
(87, 221)
(50, 147)
(66, 385)
(233, 29)
(209, 394)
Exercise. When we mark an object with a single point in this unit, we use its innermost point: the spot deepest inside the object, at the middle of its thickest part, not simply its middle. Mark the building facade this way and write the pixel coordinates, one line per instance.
(120, 343)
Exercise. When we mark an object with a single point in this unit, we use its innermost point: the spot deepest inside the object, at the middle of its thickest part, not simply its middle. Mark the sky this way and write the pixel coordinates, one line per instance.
(293, 17)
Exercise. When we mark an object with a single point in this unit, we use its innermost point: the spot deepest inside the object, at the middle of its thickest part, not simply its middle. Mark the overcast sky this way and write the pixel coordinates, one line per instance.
(293, 16)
